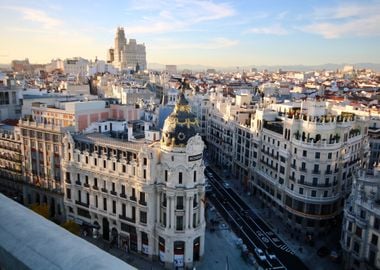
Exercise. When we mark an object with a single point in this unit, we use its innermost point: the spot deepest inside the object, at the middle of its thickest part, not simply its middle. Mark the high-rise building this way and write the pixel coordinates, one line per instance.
(127, 55)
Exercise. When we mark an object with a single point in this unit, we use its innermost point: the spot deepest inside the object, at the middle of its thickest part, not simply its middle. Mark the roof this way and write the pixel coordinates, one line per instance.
(29, 241)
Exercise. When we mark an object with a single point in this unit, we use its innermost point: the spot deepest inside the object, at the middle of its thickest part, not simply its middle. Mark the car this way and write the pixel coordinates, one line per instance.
(226, 185)
(259, 252)
(270, 255)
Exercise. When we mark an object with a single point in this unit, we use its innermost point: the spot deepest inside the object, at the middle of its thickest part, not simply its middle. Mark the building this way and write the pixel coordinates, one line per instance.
(303, 161)
(127, 55)
(171, 69)
(138, 192)
(10, 104)
(361, 223)
(11, 178)
(42, 135)
(21, 66)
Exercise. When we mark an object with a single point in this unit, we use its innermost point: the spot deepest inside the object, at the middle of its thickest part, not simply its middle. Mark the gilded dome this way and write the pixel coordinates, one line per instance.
(180, 125)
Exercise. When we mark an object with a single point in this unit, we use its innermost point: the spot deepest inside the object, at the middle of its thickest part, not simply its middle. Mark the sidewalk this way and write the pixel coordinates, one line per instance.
(220, 250)
(304, 251)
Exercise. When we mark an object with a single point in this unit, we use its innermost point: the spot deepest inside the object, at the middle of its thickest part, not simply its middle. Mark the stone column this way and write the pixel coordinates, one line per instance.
(167, 213)
(191, 212)
(172, 211)
(158, 206)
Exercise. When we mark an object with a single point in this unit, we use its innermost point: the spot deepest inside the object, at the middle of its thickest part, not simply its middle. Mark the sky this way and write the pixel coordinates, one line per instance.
(206, 32)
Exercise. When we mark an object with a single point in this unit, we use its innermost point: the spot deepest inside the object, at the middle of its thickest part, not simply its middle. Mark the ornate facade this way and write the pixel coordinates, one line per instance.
(145, 196)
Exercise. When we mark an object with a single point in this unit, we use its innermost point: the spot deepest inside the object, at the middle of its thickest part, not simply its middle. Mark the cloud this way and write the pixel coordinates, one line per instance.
(276, 30)
(36, 15)
(347, 20)
(173, 16)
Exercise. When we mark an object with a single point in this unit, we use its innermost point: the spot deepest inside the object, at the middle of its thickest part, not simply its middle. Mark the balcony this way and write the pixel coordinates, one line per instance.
(302, 169)
(78, 183)
(68, 181)
(123, 195)
(133, 198)
(86, 185)
(95, 187)
(127, 218)
(113, 193)
(142, 202)
(81, 203)
(104, 190)
(316, 172)
(328, 172)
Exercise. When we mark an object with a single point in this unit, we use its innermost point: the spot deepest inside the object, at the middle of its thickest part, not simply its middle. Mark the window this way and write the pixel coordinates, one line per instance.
(104, 164)
(180, 177)
(114, 207)
(304, 153)
(96, 201)
(142, 198)
(114, 166)
(376, 224)
(95, 161)
(68, 193)
(195, 201)
(313, 193)
(79, 196)
(301, 190)
(145, 161)
(195, 176)
(95, 182)
(374, 239)
(295, 150)
(317, 155)
(179, 223)
(105, 204)
(86, 159)
(122, 189)
(113, 187)
(86, 179)
(124, 168)
(358, 231)
(144, 173)
(282, 169)
(356, 247)
(123, 210)
(329, 155)
(316, 168)
(143, 217)
(166, 175)
(180, 203)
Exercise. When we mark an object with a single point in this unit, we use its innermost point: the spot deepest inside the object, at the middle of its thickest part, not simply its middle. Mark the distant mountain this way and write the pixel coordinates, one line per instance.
(329, 66)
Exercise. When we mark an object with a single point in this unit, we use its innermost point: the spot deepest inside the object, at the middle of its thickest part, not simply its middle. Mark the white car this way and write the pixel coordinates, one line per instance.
(271, 256)
(260, 254)
(226, 185)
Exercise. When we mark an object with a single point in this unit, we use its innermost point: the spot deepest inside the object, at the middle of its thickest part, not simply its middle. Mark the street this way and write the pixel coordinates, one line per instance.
(255, 234)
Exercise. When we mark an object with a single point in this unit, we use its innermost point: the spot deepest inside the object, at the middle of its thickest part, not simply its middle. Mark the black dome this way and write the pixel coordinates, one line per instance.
(180, 125)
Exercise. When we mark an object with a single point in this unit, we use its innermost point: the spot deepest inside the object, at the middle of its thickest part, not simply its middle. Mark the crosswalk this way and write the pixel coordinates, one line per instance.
(286, 249)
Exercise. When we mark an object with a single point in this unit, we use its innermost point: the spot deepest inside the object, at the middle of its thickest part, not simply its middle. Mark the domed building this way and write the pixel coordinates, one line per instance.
(144, 195)
(181, 191)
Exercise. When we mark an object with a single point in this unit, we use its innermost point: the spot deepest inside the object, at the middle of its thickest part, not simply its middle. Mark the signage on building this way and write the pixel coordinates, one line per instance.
(178, 260)
(196, 157)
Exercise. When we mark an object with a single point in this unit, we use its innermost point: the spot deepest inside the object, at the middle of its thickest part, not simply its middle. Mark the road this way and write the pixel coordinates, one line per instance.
(251, 228)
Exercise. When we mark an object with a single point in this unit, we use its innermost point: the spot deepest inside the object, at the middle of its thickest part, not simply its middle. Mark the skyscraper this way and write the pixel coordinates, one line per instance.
(126, 55)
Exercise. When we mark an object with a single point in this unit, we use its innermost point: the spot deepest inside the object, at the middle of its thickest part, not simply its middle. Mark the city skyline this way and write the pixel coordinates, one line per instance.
(214, 33)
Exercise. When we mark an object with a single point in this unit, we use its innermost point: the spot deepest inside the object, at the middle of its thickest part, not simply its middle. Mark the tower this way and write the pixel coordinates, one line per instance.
(120, 43)
(181, 189)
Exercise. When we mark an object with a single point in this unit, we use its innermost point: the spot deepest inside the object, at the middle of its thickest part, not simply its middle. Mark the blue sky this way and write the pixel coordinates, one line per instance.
(218, 33)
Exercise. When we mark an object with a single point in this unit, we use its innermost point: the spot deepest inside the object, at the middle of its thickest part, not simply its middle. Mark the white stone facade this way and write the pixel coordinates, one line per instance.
(361, 223)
